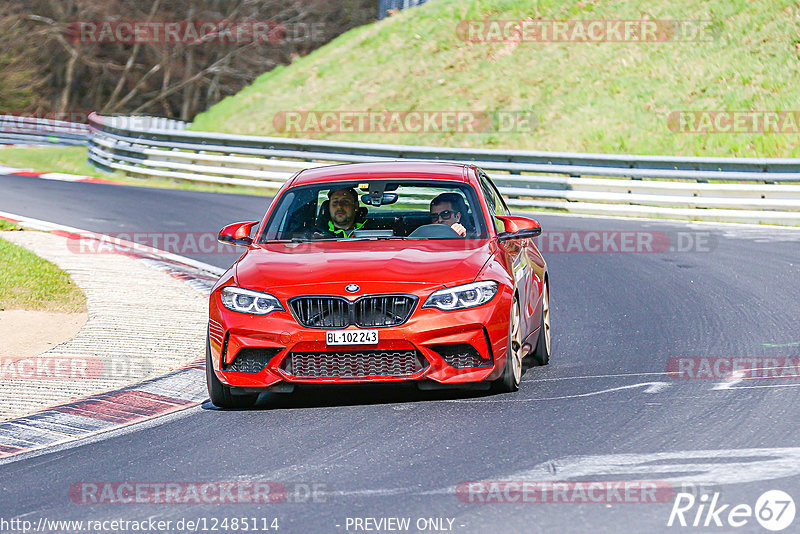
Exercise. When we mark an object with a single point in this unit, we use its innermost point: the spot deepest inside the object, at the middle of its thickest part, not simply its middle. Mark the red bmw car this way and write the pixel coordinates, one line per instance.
(379, 273)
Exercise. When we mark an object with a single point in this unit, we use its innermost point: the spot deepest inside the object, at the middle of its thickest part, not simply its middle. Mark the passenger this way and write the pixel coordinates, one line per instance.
(450, 209)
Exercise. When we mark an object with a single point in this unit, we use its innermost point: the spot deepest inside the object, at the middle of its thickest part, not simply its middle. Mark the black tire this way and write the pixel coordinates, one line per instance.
(512, 373)
(219, 393)
(541, 354)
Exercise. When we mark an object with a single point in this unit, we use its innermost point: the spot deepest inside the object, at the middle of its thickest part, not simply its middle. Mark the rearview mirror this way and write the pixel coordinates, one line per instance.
(518, 228)
(387, 198)
(237, 234)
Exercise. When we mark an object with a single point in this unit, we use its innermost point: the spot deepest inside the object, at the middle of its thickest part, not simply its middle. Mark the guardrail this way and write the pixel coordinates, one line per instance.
(755, 190)
(16, 129)
(385, 6)
(34, 131)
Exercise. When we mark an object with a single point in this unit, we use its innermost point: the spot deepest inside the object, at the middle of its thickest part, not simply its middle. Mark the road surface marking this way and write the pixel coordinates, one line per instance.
(652, 387)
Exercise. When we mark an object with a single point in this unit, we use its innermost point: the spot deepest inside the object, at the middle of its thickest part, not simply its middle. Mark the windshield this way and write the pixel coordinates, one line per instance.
(378, 209)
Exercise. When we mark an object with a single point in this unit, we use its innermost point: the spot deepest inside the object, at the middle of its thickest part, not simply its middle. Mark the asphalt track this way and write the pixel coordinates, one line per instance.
(376, 453)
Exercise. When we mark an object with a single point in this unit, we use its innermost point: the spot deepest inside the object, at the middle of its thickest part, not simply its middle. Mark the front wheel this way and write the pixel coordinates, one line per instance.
(219, 393)
(512, 374)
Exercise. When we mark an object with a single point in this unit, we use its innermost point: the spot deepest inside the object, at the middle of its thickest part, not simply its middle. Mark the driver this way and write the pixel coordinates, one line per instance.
(449, 208)
(343, 204)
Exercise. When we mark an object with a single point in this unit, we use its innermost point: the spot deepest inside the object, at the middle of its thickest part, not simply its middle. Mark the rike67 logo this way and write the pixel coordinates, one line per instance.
(774, 510)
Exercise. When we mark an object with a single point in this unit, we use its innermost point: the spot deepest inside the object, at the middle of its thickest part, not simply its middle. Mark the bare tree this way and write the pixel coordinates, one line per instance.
(49, 63)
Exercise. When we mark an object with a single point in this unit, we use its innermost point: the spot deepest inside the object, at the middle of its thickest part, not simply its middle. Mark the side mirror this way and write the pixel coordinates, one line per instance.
(518, 228)
(237, 234)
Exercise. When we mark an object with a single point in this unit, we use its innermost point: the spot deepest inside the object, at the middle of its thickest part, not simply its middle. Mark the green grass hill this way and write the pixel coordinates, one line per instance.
(614, 97)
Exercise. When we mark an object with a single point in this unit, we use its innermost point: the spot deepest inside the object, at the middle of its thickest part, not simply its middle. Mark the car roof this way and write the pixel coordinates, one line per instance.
(420, 170)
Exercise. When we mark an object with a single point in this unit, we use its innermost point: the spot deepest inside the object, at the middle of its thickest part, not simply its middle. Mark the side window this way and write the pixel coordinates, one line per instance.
(280, 220)
(501, 204)
(494, 201)
(489, 195)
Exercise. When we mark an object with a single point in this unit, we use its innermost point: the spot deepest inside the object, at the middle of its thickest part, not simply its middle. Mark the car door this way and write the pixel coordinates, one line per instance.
(522, 257)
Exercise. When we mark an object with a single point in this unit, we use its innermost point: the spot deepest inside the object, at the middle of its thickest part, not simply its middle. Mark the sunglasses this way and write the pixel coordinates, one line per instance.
(443, 215)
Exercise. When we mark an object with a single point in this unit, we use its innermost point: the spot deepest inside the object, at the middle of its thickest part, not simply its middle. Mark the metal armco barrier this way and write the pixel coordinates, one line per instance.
(384, 6)
(753, 190)
(33, 131)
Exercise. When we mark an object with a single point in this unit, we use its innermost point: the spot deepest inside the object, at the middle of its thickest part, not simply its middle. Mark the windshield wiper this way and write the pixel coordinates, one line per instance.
(292, 240)
(374, 238)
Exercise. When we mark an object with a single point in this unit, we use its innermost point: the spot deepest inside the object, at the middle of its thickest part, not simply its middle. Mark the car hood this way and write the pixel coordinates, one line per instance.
(371, 264)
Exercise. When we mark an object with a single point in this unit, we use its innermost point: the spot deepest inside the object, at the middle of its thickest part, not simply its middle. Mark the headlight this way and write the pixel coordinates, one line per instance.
(460, 297)
(248, 301)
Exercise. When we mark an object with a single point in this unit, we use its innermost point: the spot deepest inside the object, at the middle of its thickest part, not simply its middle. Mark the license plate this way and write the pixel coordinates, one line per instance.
(352, 337)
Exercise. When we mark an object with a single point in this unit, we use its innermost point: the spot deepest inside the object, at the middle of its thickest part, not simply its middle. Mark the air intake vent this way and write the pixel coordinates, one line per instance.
(354, 364)
(250, 360)
(462, 356)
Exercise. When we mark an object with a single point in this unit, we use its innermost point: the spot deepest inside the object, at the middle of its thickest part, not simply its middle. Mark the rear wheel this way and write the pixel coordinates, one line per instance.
(512, 374)
(219, 393)
(542, 352)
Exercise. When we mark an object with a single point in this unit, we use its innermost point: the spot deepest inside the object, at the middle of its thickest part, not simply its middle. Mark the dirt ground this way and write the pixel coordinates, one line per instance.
(29, 333)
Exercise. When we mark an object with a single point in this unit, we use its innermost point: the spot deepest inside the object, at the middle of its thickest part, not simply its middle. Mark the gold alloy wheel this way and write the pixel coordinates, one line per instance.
(515, 339)
(546, 316)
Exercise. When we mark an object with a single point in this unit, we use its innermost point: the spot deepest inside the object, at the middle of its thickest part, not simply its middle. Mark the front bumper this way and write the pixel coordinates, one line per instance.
(429, 332)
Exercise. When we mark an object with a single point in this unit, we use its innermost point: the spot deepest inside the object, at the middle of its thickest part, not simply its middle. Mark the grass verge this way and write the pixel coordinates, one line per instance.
(28, 282)
(73, 160)
(69, 160)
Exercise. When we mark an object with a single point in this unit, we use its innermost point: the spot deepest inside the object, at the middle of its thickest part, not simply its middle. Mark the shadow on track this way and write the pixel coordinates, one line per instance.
(332, 395)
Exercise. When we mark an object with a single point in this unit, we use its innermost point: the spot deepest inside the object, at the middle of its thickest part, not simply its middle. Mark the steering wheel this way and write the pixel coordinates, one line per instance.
(435, 231)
